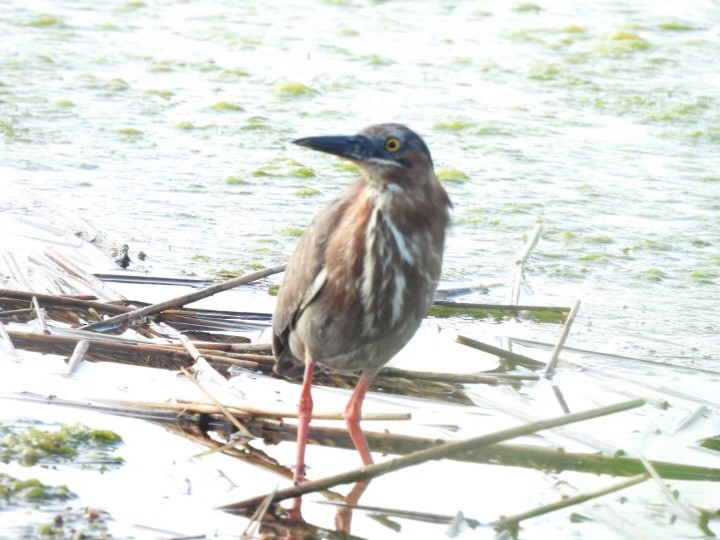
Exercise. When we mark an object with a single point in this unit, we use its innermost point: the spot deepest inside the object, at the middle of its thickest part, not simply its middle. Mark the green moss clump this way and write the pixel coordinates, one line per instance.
(33, 445)
(293, 89)
(499, 314)
(599, 239)
(200, 258)
(226, 106)
(236, 181)
(7, 130)
(675, 26)
(274, 289)
(130, 132)
(622, 42)
(451, 176)
(702, 276)
(302, 172)
(34, 490)
(526, 7)
(307, 192)
(652, 274)
(185, 126)
(160, 92)
(64, 103)
(541, 71)
(232, 73)
(42, 20)
(454, 125)
(346, 166)
(292, 231)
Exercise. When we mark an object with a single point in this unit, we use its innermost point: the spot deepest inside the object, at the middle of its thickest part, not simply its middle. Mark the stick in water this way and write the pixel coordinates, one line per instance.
(437, 452)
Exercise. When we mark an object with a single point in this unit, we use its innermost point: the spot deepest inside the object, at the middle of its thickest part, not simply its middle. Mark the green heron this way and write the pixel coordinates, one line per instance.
(365, 272)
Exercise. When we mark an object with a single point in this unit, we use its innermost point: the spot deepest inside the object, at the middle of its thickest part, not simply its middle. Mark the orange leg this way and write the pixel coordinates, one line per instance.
(353, 413)
(305, 408)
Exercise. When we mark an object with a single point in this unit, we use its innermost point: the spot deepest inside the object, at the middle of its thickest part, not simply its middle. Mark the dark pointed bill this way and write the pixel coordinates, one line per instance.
(354, 147)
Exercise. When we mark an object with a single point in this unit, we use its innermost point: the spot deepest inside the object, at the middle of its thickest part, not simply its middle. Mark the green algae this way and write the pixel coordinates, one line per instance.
(541, 71)
(7, 129)
(451, 176)
(293, 89)
(495, 314)
(236, 181)
(307, 192)
(43, 20)
(274, 289)
(703, 276)
(454, 125)
(300, 171)
(160, 92)
(292, 231)
(14, 490)
(226, 106)
(130, 132)
(30, 445)
(526, 7)
(621, 42)
(344, 165)
(599, 239)
(652, 274)
(200, 258)
(232, 73)
(675, 26)
(64, 103)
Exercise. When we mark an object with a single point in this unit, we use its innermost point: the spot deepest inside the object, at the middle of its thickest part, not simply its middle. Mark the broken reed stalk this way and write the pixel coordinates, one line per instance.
(514, 308)
(100, 288)
(512, 521)
(6, 343)
(200, 361)
(40, 314)
(684, 509)
(239, 410)
(439, 452)
(519, 359)
(78, 355)
(154, 309)
(233, 419)
(520, 260)
(552, 362)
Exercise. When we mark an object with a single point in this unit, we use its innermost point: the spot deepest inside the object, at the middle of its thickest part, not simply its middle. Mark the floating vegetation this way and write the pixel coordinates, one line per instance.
(451, 176)
(7, 130)
(292, 231)
(185, 126)
(541, 71)
(675, 26)
(652, 274)
(703, 276)
(621, 42)
(454, 125)
(526, 7)
(43, 20)
(16, 491)
(293, 89)
(130, 132)
(599, 239)
(226, 106)
(236, 181)
(307, 192)
(160, 92)
(64, 103)
(30, 445)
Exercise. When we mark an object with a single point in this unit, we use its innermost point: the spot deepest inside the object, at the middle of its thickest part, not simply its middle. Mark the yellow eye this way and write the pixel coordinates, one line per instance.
(392, 144)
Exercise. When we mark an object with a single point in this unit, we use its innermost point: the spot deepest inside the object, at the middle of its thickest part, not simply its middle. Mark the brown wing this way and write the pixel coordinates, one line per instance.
(304, 279)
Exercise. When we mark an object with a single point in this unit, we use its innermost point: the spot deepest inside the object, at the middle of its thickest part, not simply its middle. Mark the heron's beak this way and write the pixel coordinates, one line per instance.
(355, 147)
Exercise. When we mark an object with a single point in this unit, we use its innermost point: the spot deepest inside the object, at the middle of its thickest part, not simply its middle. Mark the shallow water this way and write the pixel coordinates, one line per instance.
(168, 126)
